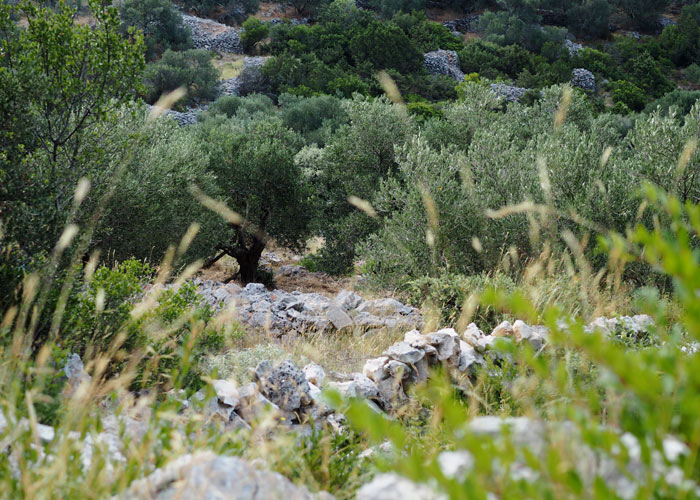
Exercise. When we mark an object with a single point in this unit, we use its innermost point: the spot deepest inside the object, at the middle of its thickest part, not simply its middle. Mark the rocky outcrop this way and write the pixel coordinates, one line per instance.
(443, 62)
(281, 312)
(583, 79)
(210, 35)
(207, 475)
(509, 92)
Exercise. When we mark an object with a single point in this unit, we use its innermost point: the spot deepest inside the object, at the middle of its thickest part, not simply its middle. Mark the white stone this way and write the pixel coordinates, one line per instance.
(314, 374)
(375, 370)
(390, 486)
(402, 351)
(521, 331)
(227, 392)
(504, 329)
(456, 464)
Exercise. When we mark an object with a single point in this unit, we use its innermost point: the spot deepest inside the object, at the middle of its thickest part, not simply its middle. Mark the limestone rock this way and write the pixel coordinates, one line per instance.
(285, 385)
(504, 329)
(348, 300)
(226, 392)
(314, 374)
(375, 370)
(402, 351)
(509, 92)
(206, 475)
(390, 486)
(338, 317)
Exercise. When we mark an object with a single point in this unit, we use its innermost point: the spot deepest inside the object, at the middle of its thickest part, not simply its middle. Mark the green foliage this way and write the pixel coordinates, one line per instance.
(603, 390)
(508, 29)
(59, 83)
(311, 7)
(589, 19)
(160, 23)
(255, 31)
(154, 208)
(388, 8)
(682, 100)
(644, 14)
(447, 294)
(100, 319)
(190, 69)
(253, 162)
(692, 74)
(101, 311)
(225, 11)
(359, 156)
(628, 95)
(315, 118)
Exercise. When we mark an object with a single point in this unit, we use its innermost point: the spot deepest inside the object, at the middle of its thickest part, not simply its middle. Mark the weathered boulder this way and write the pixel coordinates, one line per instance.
(375, 368)
(314, 374)
(338, 317)
(285, 385)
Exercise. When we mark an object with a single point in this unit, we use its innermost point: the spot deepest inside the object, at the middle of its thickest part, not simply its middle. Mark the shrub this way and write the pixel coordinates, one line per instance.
(225, 11)
(315, 118)
(589, 19)
(191, 69)
(160, 23)
(628, 94)
(154, 208)
(692, 73)
(680, 100)
(644, 14)
(444, 297)
(99, 320)
(255, 31)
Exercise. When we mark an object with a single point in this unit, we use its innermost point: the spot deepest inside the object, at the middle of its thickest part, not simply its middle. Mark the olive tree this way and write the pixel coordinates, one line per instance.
(253, 161)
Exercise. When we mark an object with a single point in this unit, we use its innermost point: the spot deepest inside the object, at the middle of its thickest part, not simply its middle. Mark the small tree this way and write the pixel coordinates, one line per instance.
(191, 69)
(160, 23)
(255, 169)
(643, 13)
(254, 32)
(58, 82)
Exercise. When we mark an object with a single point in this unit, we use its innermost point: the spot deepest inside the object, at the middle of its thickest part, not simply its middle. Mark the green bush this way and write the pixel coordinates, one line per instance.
(255, 31)
(629, 95)
(446, 295)
(680, 100)
(644, 14)
(191, 69)
(99, 320)
(160, 23)
(225, 11)
(154, 208)
(692, 73)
